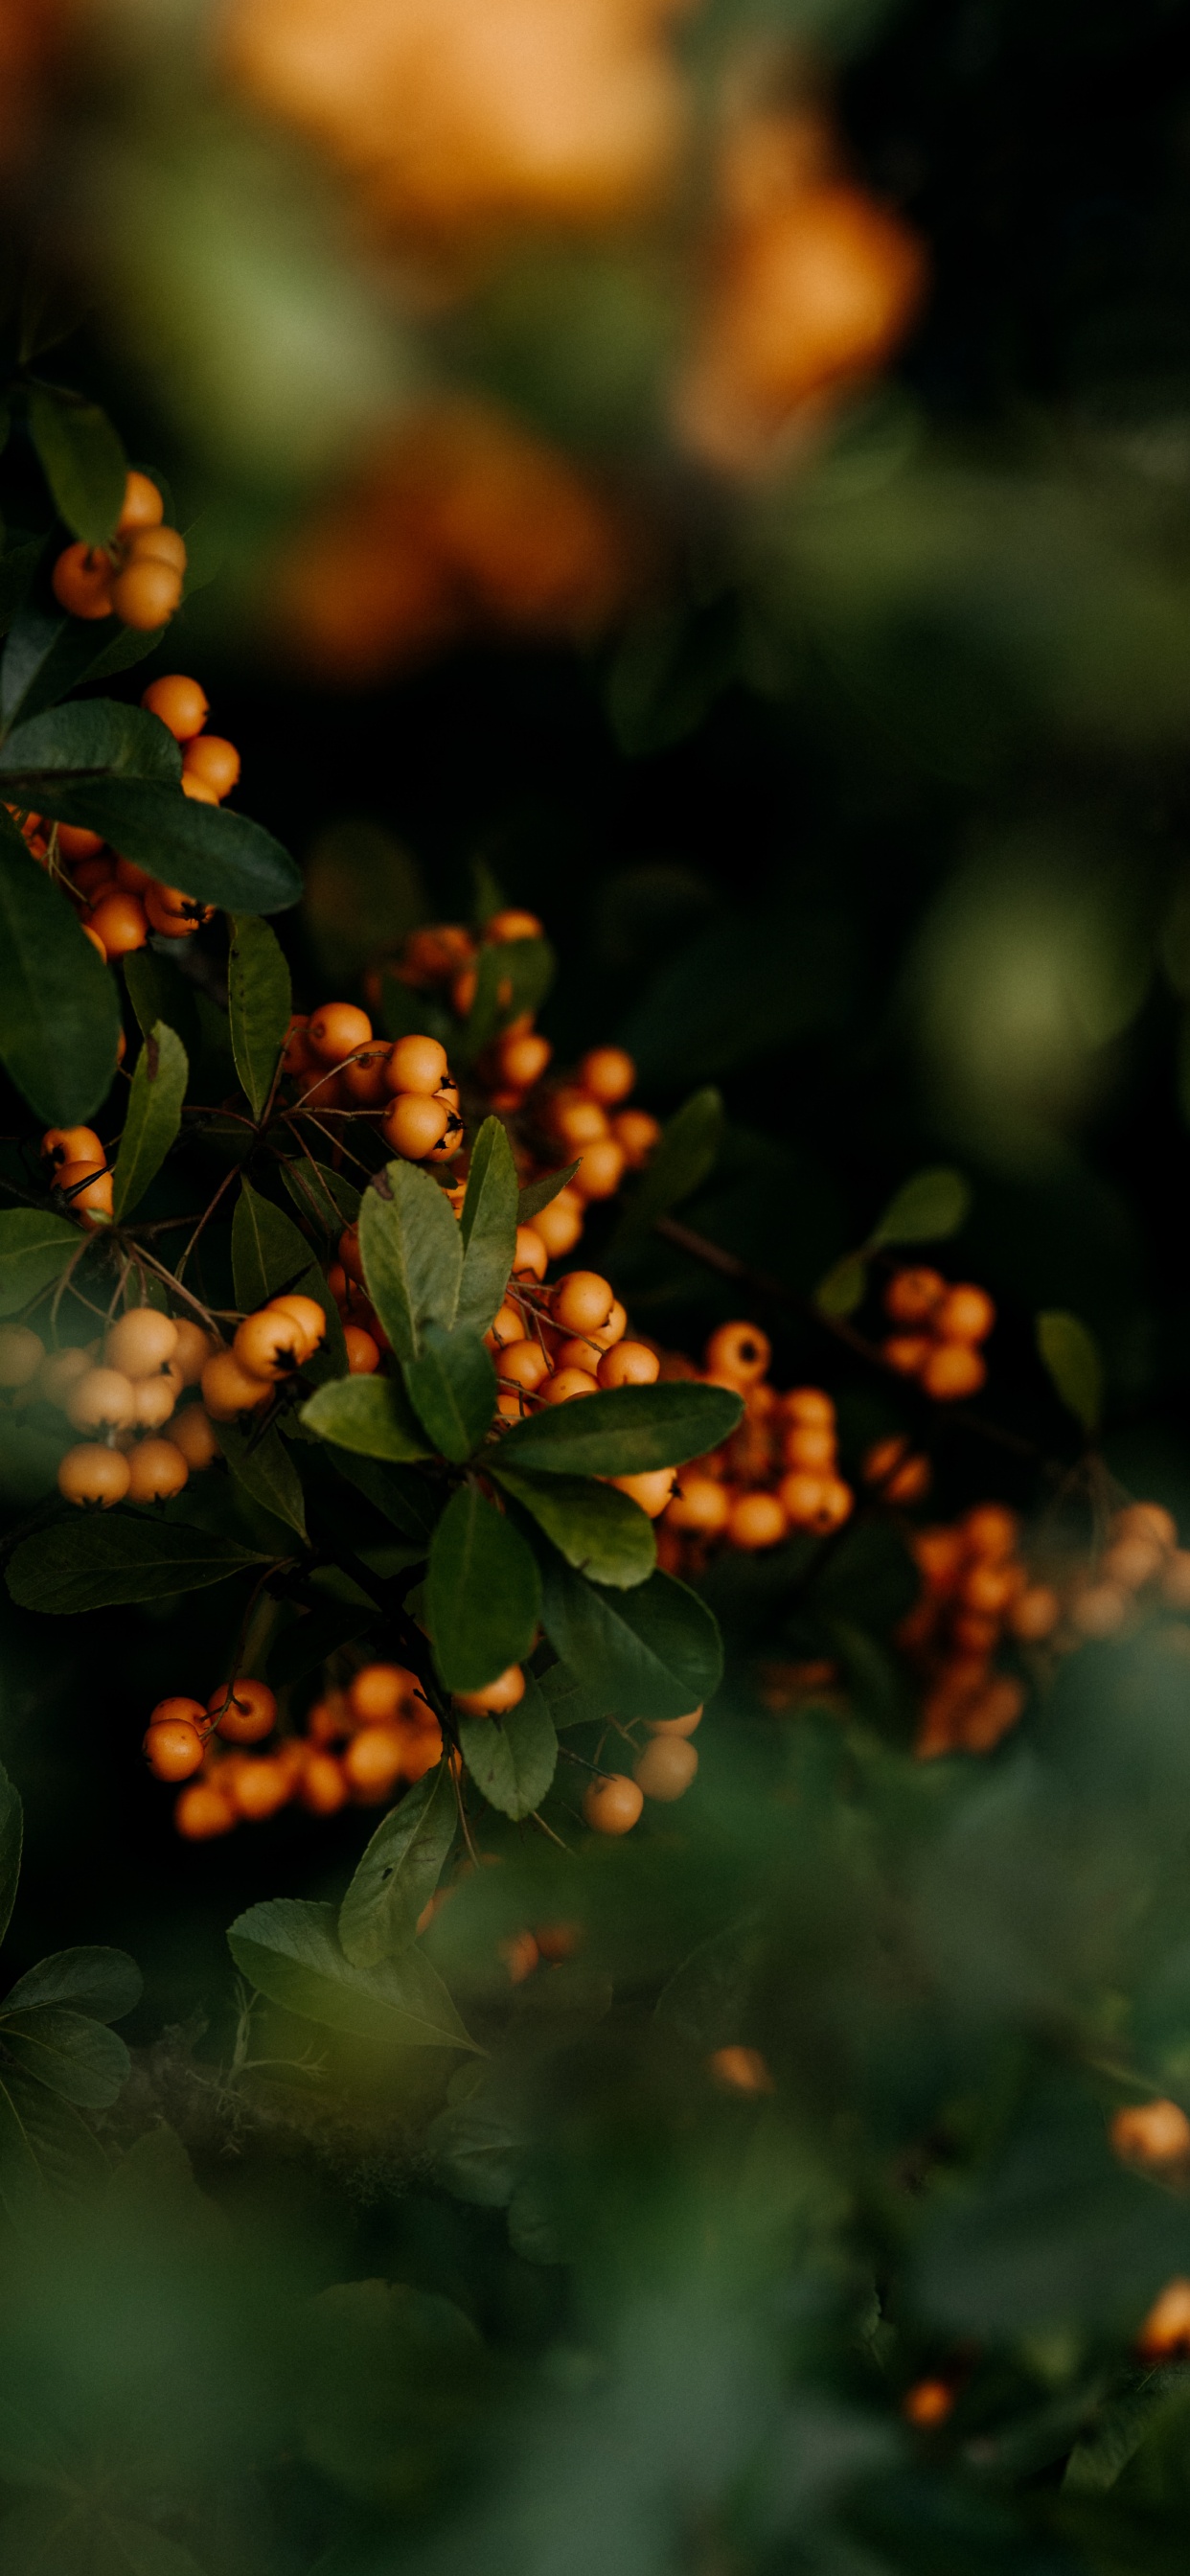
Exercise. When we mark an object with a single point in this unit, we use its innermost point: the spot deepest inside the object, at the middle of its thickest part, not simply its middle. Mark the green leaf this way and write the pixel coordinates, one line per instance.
(83, 460)
(11, 1831)
(291, 1951)
(88, 1563)
(104, 1983)
(1071, 1354)
(488, 1226)
(399, 1872)
(412, 1250)
(512, 1759)
(370, 1415)
(215, 855)
(844, 1287)
(74, 2056)
(623, 1431)
(260, 999)
(483, 1593)
(324, 1197)
(688, 1150)
(158, 990)
(46, 2150)
(270, 1257)
(34, 1248)
(153, 1119)
(600, 1532)
(512, 976)
(261, 1463)
(652, 1652)
(539, 1194)
(928, 1207)
(59, 1010)
(479, 2151)
(452, 1388)
(93, 735)
(410, 1501)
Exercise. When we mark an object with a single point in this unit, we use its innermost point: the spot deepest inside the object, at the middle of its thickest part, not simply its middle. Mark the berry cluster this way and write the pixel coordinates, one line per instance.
(940, 1330)
(359, 1743)
(554, 1344)
(138, 577)
(120, 1394)
(269, 1348)
(121, 905)
(778, 1472)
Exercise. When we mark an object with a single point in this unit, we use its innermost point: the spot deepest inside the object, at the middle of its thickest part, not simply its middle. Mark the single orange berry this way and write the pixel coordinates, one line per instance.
(742, 2070)
(564, 1385)
(146, 593)
(521, 1061)
(582, 1301)
(229, 1389)
(810, 1446)
(530, 1259)
(1151, 2134)
(259, 1788)
(612, 1804)
(121, 922)
(373, 1762)
(174, 914)
(191, 1349)
(677, 1725)
(91, 1474)
(1166, 2329)
(209, 757)
(738, 1353)
(1035, 1613)
(193, 1433)
(377, 1693)
(965, 1314)
(75, 842)
(650, 1490)
(203, 1811)
(700, 1504)
(337, 1030)
(81, 581)
(577, 1121)
(512, 924)
(365, 1080)
(141, 1341)
(417, 1064)
(952, 1370)
(600, 1171)
(173, 1751)
(756, 1521)
(88, 1192)
(142, 506)
(559, 1225)
(156, 1471)
(103, 1400)
(243, 1710)
(608, 1073)
(178, 703)
(322, 1787)
(496, 1698)
(415, 1125)
(927, 2403)
(270, 1345)
(72, 1145)
(912, 1296)
(628, 1364)
(523, 1363)
(363, 1355)
(666, 1768)
(637, 1136)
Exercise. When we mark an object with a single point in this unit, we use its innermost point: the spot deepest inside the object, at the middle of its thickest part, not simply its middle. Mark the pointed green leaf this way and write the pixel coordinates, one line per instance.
(600, 1532)
(59, 1010)
(652, 1652)
(270, 1257)
(512, 1759)
(260, 999)
(624, 1431)
(412, 1252)
(158, 990)
(153, 1119)
(11, 1830)
(214, 854)
(537, 1195)
(1072, 1356)
(324, 1197)
(371, 1415)
(83, 460)
(930, 1206)
(91, 1564)
(46, 2151)
(104, 1983)
(34, 1248)
(291, 1951)
(844, 1287)
(483, 1593)
(688, 1149)
(91, 735)
(399, 1872)
(488, 1226)
(68, 2052)
(261, 1463)
(452, 1388)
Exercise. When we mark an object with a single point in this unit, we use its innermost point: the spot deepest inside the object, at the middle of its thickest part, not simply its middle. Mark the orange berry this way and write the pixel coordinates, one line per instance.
(436, 952)
(366, 1080)
(178, 703)
(1151, 2133)
(612, 1804)
(562, 1386)
(229, 1389)
(742, 2070)
(377, 1694)
(155, 1399)
(1100, 1611)
(72, 1145)
(58, 1373)
(204, 1810)
(576, 1121)
(173, 914)
(557, 1941)
(559, 1226)
(90, 1474)
(600, 1171)
(988, 1587)
(530, 1260)
(506, 1327)
(700, 1503)
(177, 1706)
(297, 1055)
(523, 1363)
(156, 1471)
(322, 1787)
(497, 1697)
(911, 1296)
(269, 1345)
(21, 1355)
(906, 1353)
(512, 924)
(259, 1788)
(146, 592)
(88, 1191)
(418, 1065)
(363, 1355)
(521, 1061)
(198, 789)
(103, 1400)
(608, 1073)
(582, 1302)
(739, 1354)
(141, 1341)
(809, 1407)
(174, 1750)
(811, 1447)
(210, 757)
(95, 941)
(81, 581)
(1035, 1613)
(966, 1314)
(1132, 1562)
(991, 1530)
(350, 1254)
(243, 1710)
(666, 1768)
(373, 1762)
(193, 1433)
(415, 1125)
(637, 1136)
(337, 1030)
(75, 843)
(306, 1314)
(650, 1490)
(927, 2403)
(756, 1521)
(952, 1370)
(628, 1364)
(142, 506)
(1146, 1520)
(1166, 2329)
(677, 1725)
(121, 922)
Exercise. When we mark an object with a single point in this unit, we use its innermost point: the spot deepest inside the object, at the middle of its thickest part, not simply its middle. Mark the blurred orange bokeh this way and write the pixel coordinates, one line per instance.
(29, 34)
(460, 114)
(462, 520)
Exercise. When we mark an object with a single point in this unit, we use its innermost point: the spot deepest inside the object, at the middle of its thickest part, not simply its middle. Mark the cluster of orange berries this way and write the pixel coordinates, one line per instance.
(122, 905)
(334, 1062)
(553, 1345)
(139, 577)
(941, 1330)
(358, 1744)
(777, 1472)
(979, 1593)
(268, 1349)
(121, 1396)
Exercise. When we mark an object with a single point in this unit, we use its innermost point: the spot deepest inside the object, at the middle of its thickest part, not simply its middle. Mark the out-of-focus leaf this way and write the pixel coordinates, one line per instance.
(92, 1564)
(512, 1759)
(513, 975)
(412, 1254)
(599, 1531)
(59, 1014)
(325, 1197)
(83, 460)
(104, 1983)
(363, 894)
(46, 2150)
(452, 1387)
(74, 2056)
(261, 1463)
(844, 1286)
(35, 1247)
(158, 990)
(1072, 1356)
(399, 1872)
(483, 1592)
(291, 1951)
(689, 1146)
(153, 1116)
(260, 1001)
(11, 1830)
(925, 1209)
